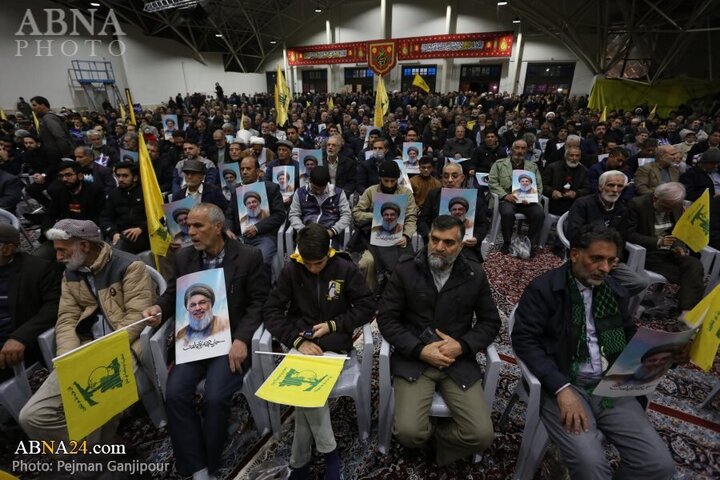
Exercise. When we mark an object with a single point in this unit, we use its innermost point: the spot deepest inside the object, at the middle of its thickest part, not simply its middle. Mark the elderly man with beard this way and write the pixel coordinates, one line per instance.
(452, 177)
(564, 182)
(198, 439)
(605, 209)
(103, 290)
(389, 226)
(438, 313)
(571, 324)
(500, 181)
(663, 170)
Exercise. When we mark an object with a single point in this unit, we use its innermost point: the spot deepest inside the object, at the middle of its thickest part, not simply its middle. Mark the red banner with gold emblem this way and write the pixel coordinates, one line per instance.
(492, 44)
(381, 56)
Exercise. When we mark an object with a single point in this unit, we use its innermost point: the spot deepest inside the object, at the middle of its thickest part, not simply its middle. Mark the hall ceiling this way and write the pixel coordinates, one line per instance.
(604, 34)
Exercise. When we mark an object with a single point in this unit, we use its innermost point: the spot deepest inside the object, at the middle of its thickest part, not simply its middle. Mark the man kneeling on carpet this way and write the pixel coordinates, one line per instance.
(570, 326)
(426, 314)
(320, 299)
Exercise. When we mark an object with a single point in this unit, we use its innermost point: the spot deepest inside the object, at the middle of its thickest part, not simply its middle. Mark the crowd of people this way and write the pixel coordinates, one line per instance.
(624, 178)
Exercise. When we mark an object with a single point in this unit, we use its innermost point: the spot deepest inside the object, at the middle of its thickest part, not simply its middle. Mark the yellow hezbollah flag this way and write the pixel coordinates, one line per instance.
(471, 124)
(37, 123)
(2, 114)
(302, 380)
(242, 121)
(382, 103)
(705, 346)
(155, 216)
(652, 112)
(282, 98)
(517, 107)
(130, 107)
(122, 111)
(419, 82)
(96, 383)
(603, 115)
(331, 103)
(693, 227)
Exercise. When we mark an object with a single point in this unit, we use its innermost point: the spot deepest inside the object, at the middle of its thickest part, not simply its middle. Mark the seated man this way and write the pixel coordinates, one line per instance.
(704, 175)
(284, 158)
(96, 277)
(123, 219)
(342, 169)
(196, 186)
(198, 440)
(93, 171)
(425, 182)
(72, 197)
(570, 326)
(29, 295)
(294, 307)
(377, 262)
(263, 234)
(452, 177)
(662, 170)
(500, 182)
(191, 150)
(651, 219)
(565, 182)
(426, 314)
(604, 208)
(323, 203)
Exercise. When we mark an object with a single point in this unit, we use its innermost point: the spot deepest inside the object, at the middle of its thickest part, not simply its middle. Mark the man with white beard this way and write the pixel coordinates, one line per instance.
(390, 212)
(202, 322)
(96, 276)
(434, 349)
(604, 208)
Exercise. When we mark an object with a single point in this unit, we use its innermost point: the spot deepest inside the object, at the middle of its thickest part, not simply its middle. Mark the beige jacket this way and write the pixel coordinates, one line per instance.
(648, 177)
(363, 211)
(124, 290)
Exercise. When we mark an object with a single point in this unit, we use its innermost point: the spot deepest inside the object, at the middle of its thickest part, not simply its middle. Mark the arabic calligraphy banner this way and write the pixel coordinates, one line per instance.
(493, 44)
(327, 54)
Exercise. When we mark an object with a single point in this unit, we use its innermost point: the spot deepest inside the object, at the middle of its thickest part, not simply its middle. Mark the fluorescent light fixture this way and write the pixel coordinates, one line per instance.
(218, 35)
(94, 4)
(516, 20)
(317, 8)
(273, 41)
(502, 4)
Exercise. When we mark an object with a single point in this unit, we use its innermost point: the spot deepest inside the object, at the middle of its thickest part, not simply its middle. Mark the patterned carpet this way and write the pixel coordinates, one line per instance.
(693, 435)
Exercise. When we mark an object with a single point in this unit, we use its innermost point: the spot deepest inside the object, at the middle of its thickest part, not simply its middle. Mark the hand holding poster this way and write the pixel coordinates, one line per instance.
(411, 155)
(230, 178)
(302, 380)
(641, 366)
(253, 204)
(404, 180)
(176, 217)
(284, 177)
(524, 186)
(202, 321)
(388, 219)
(460, 203)
(170, 123)
(483, 179)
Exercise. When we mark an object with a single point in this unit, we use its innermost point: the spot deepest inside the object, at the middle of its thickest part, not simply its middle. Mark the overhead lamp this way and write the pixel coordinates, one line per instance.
(273, 41)
(317, 8)
(502, 4)
(516, 20)
(218, 35)
(94, 4)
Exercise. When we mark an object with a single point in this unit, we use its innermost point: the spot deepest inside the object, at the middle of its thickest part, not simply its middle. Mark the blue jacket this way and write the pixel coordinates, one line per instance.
(306, 209)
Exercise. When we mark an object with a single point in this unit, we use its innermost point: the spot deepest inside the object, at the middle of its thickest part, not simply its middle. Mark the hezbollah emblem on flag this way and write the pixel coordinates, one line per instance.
(382, 57)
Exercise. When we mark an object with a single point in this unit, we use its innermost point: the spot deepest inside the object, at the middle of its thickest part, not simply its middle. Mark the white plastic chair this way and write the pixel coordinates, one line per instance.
(147, 387)
(560, 228)
(495, 226)
(438, 408)
(354, 382)
(9, 217)
(636, 261)
(251, 381)
(15, 392)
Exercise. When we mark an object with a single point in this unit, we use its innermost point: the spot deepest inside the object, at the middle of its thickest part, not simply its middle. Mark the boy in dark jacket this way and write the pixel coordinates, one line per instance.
(319, 301)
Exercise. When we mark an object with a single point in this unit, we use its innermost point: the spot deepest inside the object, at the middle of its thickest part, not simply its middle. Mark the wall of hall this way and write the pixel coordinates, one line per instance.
(153, 68)
(359, 21)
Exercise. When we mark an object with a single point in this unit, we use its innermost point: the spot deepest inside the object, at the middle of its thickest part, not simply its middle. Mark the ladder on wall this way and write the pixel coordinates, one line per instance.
(95, 77)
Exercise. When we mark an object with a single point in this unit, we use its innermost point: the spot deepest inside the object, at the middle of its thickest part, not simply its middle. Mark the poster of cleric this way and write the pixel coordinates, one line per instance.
(643, 362)
(202, 323)
(253, 204)
(460, 203)
(388, 219)
(176, 214)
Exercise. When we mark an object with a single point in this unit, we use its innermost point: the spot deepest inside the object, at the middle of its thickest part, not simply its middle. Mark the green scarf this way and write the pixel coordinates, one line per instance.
(608, 325)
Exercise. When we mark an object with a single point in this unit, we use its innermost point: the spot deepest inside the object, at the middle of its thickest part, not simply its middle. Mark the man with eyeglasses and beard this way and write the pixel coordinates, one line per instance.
(436, 349)
(604, 208)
